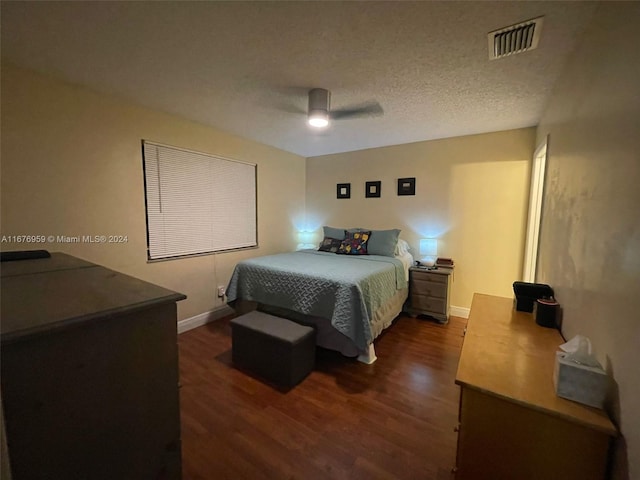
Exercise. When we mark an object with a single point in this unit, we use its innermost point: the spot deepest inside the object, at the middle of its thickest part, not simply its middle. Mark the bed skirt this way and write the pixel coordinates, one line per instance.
(326, 335)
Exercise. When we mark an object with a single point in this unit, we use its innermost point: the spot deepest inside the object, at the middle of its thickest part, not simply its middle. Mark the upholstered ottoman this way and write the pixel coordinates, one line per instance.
(277, 349)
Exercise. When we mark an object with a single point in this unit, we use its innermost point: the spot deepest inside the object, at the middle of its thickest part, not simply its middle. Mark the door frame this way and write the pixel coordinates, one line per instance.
(536, 192)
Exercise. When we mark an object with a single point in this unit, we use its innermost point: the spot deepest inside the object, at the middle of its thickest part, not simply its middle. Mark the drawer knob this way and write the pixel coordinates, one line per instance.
(456, 428)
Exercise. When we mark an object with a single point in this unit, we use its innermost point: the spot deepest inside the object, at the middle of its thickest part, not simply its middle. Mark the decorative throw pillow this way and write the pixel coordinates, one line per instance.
(355, 243)
(329, 244)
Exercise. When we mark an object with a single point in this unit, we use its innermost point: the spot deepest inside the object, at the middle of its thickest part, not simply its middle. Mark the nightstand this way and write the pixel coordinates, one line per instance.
(429, 292)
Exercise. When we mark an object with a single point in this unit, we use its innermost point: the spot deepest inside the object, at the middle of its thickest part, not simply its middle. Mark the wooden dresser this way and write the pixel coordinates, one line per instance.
(89, 372)
(512, 424)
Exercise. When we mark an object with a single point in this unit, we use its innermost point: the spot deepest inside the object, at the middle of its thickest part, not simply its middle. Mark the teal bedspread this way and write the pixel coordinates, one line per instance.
(346, 289)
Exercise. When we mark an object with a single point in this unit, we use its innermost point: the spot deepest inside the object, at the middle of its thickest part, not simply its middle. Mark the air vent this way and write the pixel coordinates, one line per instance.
(514, 39)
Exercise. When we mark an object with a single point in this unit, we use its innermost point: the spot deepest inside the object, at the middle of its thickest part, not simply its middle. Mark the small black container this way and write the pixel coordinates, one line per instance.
(546, 312)
(527, 293)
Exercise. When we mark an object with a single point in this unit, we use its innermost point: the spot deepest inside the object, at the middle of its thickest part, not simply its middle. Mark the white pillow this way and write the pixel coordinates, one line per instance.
(402, 247)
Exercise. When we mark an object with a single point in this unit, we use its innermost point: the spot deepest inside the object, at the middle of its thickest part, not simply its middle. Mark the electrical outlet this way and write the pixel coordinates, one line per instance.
(221, 291)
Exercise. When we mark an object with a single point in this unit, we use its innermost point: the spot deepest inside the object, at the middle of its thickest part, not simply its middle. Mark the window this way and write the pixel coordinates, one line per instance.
(197, 203)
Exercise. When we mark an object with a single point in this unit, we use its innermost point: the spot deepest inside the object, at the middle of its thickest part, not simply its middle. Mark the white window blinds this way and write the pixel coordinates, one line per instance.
(197, 203)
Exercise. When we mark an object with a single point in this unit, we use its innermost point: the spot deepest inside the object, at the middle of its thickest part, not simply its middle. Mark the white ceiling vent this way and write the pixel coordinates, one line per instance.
(517, 38)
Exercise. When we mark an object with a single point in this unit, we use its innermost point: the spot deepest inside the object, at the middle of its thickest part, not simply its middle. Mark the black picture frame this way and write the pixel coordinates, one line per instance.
(407, 186)
(372, 189)
(343, 190)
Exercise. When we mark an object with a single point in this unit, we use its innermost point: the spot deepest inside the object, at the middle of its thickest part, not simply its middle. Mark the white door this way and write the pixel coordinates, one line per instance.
(535, 211)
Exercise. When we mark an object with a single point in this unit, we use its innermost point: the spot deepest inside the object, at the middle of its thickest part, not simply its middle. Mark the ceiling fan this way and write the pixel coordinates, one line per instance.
(319, 112)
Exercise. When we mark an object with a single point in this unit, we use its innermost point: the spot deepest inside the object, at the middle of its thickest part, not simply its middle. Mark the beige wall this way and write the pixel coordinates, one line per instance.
(471, 194)
(590, 232)
(72, 165)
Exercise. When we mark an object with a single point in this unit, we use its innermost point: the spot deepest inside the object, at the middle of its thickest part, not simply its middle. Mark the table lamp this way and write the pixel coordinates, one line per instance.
(428, 251)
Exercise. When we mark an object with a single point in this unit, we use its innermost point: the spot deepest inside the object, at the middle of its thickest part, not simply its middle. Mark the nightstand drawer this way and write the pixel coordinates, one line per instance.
(429, 304)
(427, 276)
(428, 287)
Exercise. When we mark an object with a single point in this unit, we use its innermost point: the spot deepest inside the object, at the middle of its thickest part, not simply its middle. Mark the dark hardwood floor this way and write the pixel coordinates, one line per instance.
(393, 419)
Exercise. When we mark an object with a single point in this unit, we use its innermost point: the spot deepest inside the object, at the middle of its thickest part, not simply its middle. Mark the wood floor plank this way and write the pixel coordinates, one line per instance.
(347, 420)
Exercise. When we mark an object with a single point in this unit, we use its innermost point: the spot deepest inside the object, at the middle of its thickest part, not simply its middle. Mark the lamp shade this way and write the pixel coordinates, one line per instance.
(429, 247)
(305, 237)
(306, 240)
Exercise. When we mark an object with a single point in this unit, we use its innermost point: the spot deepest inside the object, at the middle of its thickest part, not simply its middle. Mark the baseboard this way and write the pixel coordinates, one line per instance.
(203, 318)
(459, 312)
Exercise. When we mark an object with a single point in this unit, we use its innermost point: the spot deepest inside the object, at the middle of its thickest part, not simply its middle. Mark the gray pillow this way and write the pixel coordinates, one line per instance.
(383, 242)
(332, 232)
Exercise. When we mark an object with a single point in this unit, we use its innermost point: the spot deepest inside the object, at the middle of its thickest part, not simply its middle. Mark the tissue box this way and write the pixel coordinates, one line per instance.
(580, 383)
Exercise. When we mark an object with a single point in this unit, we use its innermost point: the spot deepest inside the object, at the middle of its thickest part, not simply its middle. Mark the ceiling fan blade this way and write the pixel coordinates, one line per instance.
(367, 109)
(286, 99)
(290, 108)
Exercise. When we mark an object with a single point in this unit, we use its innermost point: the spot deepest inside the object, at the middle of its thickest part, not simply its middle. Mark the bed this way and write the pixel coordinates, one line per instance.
(350, 299)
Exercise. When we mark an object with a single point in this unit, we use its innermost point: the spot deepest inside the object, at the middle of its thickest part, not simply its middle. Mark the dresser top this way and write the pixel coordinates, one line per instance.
(41, 296)
(506, 354)
(57, 261)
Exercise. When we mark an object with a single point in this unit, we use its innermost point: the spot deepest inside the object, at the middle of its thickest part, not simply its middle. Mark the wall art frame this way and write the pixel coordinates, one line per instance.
(407, 186)
(343, 190)
(373, 189)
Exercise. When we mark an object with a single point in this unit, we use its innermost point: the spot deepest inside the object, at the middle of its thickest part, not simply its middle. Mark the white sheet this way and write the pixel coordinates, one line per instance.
(407, 261)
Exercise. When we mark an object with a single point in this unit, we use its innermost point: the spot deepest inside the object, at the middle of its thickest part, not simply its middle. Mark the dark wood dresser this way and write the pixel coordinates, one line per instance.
(89, 372)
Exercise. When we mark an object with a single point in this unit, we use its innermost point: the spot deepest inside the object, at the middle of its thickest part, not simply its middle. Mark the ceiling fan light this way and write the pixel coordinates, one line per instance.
(318, 118)
(319, 100)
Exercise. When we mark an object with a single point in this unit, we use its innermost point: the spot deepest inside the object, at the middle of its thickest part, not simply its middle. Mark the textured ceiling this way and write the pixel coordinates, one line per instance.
(245, 67)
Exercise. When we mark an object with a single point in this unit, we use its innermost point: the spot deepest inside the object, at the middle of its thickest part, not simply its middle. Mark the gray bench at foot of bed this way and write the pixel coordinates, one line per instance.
(275, 348)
